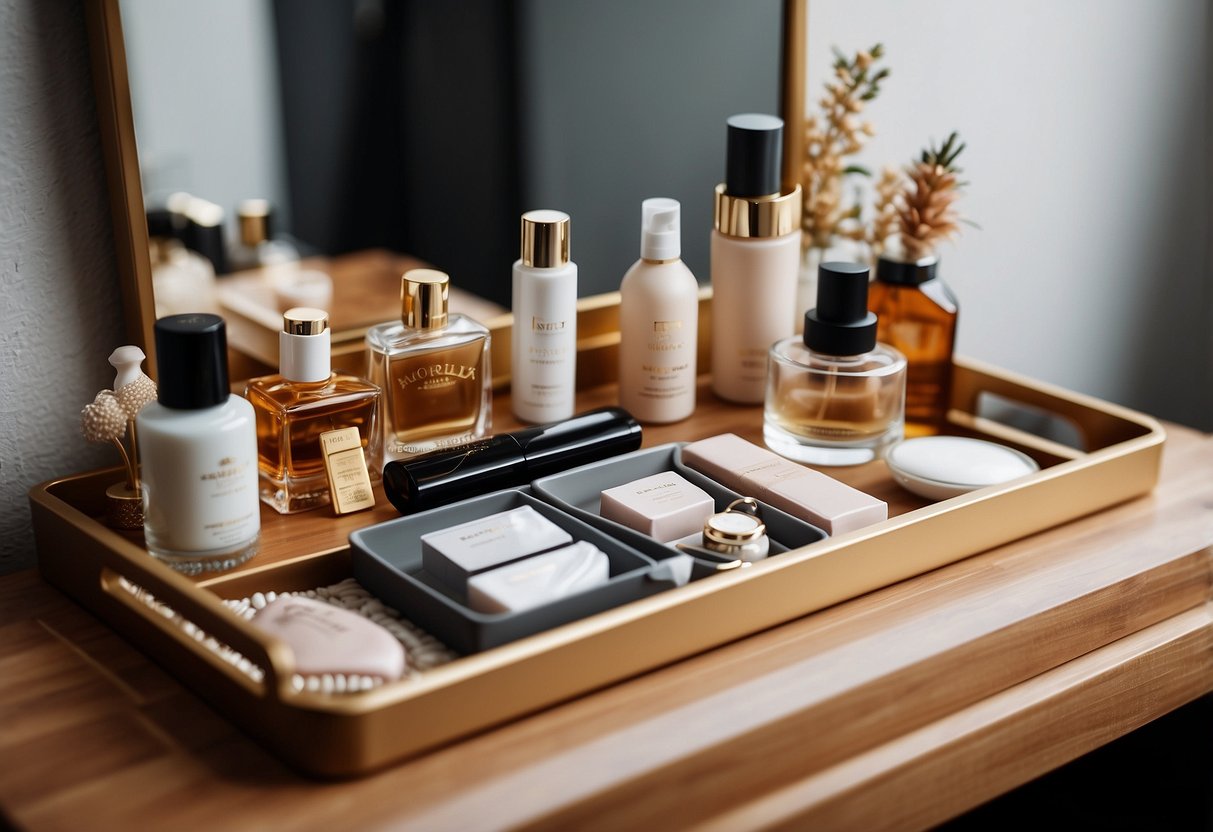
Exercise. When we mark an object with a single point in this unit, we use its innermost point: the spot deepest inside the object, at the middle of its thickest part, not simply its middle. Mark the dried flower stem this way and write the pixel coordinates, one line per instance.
(136, 486)
(132, 479)
(926, 210)
(831, 137)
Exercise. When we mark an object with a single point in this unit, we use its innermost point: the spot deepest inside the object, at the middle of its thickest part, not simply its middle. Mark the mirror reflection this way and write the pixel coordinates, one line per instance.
(369, 136)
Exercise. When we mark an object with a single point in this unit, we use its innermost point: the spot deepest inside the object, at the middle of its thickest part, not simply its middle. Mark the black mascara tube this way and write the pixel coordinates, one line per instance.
(508, 460)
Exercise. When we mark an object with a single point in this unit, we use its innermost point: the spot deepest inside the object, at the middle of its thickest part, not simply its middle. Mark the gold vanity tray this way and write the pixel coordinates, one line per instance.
(352, 734)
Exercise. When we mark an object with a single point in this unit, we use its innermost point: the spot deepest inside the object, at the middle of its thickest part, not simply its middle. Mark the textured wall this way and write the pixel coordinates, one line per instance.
(60, 313)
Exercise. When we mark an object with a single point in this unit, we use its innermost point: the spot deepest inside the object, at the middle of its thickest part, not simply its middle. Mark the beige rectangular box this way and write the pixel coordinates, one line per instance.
(664, 506)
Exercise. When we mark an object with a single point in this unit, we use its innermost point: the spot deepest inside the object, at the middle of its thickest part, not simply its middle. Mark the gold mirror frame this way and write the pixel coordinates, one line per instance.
(117, 127)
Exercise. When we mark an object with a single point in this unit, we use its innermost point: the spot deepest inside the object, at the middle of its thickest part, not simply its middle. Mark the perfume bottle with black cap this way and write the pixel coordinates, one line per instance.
(834, 395)
(917, 313)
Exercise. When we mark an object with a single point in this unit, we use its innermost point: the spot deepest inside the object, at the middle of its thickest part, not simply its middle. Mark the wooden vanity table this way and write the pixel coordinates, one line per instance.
(897, 709)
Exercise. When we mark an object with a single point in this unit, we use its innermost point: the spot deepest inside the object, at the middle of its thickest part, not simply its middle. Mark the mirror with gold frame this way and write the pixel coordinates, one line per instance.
(596, 313)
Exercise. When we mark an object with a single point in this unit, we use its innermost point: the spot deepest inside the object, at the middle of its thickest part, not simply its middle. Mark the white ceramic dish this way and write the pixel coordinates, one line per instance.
(939, 467)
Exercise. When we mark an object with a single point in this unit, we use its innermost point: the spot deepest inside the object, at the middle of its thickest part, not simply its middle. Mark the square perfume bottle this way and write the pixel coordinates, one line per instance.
(294, 408)
(434, 370)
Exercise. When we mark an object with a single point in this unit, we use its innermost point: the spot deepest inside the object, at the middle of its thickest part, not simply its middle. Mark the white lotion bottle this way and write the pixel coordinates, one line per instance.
(658, 322)
(198, 447)
(755, 259)
(543, 354)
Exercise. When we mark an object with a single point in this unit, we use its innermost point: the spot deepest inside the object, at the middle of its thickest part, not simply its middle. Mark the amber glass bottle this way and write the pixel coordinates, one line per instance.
(434, 369)
(294, 408)
(917, 316)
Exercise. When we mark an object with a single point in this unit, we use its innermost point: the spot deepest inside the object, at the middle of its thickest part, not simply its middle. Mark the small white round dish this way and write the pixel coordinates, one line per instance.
(939, 467)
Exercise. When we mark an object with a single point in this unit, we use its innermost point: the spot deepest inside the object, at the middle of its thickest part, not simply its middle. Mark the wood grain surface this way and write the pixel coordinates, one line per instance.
(894, 710)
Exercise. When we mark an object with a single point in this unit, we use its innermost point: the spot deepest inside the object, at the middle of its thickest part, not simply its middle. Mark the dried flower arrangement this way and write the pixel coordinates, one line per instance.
(917, 207)
(110, 417)
(830, 138)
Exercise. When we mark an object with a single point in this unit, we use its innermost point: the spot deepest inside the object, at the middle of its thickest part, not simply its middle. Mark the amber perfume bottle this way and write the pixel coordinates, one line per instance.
(434, 370)
(835, 396)
(294, 408)
(917, 313)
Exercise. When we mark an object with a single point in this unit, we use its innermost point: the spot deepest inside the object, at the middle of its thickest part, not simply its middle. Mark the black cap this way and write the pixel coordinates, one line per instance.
(841, 324)
(207, 240)
(160, 223)
(754, 155)
(191, 354)
(903, 273)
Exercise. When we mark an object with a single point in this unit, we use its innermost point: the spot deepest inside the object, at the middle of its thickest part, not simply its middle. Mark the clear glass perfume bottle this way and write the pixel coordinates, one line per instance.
(295, 407)
(835, 396)
(917, 316)
(434, 370)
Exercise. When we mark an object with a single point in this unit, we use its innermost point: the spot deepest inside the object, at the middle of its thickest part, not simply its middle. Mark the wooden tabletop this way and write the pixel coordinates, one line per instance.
(895, 710)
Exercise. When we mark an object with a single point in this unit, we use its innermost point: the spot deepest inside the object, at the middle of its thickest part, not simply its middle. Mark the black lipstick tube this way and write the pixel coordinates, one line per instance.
(508, 460)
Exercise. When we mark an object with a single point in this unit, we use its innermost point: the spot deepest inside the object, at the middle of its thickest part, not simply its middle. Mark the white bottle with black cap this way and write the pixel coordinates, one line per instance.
(755, 258)
(543, 352)
(658, 322)
(198, 449)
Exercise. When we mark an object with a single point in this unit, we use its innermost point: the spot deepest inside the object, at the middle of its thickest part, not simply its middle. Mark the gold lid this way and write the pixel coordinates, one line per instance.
(423, 298)
(304, 320)
(764, 216)
(735, 526)
(253, 216)
(545, 239)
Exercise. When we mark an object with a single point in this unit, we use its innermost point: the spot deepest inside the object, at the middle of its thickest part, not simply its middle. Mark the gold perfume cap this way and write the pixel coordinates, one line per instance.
(304, 320)
(253, 216)
(423, 298)
(545, 239)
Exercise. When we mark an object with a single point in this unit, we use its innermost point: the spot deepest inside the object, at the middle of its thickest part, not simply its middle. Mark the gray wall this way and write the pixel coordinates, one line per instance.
(596, 143)
(61, 310)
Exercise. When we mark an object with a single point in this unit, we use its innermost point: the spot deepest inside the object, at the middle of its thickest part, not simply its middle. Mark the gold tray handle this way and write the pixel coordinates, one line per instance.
(206, 612)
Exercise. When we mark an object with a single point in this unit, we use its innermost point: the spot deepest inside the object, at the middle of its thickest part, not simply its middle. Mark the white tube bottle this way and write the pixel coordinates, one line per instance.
(755, 259)
(658, 322)
(543, 355)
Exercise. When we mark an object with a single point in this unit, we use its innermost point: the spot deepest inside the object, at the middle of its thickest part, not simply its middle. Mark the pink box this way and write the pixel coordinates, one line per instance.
(664, 506)
(802, 492)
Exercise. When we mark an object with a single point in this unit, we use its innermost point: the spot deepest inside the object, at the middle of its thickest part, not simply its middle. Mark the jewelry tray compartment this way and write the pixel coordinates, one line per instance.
(578, 492)
(386, 561)
(352, 734)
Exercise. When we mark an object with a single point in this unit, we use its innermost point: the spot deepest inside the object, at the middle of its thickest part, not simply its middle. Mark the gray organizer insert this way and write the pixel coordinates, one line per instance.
(578, 491)
(387, 561)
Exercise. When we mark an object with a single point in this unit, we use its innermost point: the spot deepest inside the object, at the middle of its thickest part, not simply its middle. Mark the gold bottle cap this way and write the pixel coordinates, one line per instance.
(304, 320)
(423, 298)
(545, 239)
(735, 526)
(253, 216)
(763, 216)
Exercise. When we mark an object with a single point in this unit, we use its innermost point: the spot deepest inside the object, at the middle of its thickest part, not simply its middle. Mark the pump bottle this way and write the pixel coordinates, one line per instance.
(659, 322)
